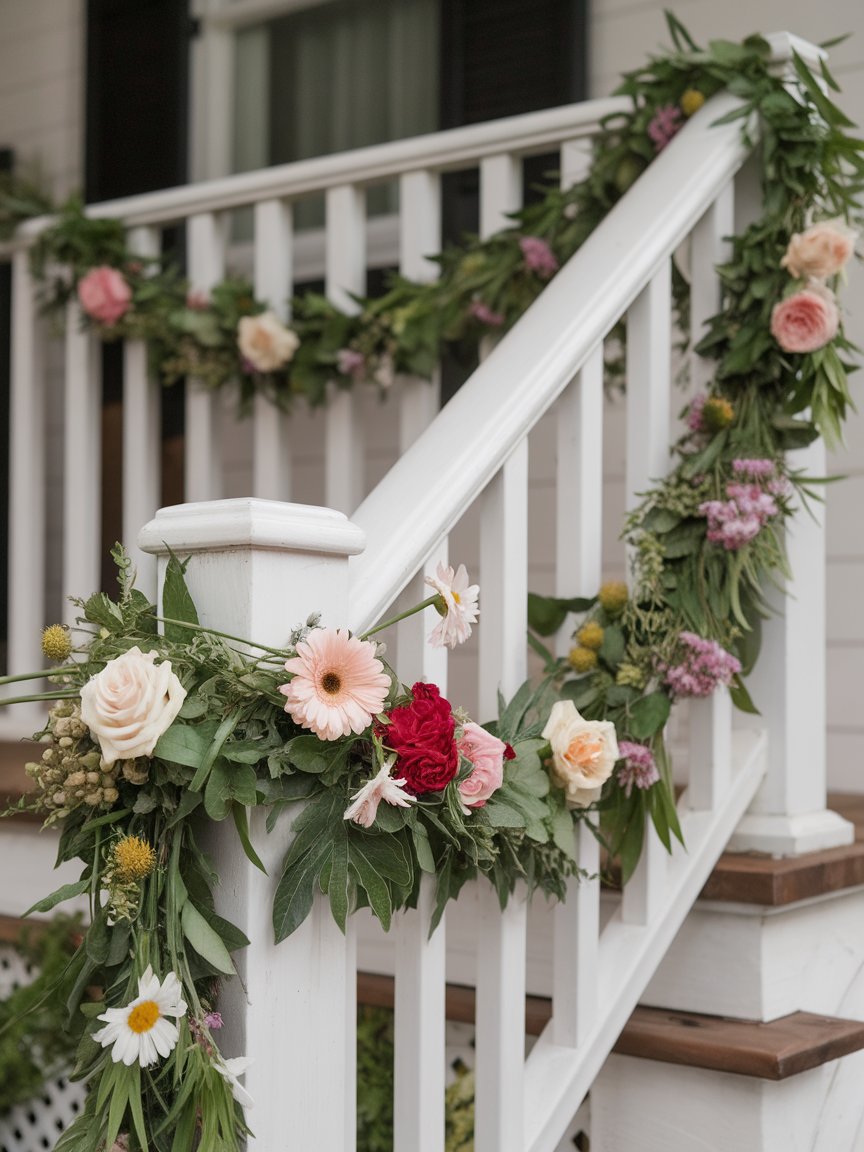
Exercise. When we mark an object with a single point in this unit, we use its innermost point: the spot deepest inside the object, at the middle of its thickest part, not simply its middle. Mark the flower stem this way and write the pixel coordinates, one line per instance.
(427, 603)
(45, 674)
(223, 635)
(64, 695)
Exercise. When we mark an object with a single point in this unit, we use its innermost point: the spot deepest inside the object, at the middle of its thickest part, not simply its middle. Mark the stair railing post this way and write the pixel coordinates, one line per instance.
(258, 569)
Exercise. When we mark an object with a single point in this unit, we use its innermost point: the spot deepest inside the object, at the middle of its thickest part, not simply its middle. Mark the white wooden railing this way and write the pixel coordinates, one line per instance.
(261, 566)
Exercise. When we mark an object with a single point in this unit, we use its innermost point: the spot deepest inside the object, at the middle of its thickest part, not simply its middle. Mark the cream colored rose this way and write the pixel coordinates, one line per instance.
(820, 251)
(265, 341)
(130, 703)
(584, 752)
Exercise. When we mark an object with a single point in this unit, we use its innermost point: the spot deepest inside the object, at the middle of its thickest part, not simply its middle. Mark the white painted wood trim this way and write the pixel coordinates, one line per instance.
(82, 464)
(203, 431)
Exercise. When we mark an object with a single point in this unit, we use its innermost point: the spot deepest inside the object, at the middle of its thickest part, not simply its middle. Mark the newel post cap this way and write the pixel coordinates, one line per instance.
(249, 522)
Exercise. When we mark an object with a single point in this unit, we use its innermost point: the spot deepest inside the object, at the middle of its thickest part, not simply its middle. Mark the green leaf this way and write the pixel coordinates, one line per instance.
(206, 942)
(221, 735)
(647, 716)
(546, 614)
(241, 822)
(422, 847)
(177, 604)
(308, 754)
(613, 646)
(101, 610)
(338, 887)
(741, 697)
(66, 892)
(227, 783)
(186, 744)
(295, 891)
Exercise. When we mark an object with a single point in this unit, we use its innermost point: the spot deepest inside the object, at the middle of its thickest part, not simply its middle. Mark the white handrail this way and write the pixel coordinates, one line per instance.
(531, 133)
(447, 467)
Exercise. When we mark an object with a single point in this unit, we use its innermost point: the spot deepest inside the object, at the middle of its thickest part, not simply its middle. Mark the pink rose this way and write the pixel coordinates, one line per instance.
(820, 251)
(486, 752)
(806, 321)
(104, 295)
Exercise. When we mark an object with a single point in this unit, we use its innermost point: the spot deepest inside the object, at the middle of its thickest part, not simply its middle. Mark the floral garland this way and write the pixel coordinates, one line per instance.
(394, 782)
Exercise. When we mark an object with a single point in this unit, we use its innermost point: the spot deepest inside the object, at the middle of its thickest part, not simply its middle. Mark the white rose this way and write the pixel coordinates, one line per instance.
(584, 752)
(265, 341)
(130, 703)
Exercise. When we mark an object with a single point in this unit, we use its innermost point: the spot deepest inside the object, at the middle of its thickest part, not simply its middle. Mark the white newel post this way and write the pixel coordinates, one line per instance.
(788, 815)
(258, 569)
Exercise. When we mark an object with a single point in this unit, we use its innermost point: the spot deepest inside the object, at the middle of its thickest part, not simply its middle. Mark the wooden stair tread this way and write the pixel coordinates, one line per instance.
(750, 878)
(772, 1051)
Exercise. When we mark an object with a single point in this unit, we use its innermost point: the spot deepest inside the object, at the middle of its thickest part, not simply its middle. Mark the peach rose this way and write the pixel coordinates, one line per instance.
(130, 703)
(805, 321)
(820, 251)
(265, 341)
(584, 752)
(104, 295)
(486, 753)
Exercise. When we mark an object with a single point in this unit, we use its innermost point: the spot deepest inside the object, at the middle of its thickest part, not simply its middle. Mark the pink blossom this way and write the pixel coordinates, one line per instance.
(381, 787)
(695, 421)
(639, 768)
(739, 519)
(538, 256)
(457, 604)
(104, 295)
(806, 321)
(350, 362)
(703, 665)
(663, 125)
(486, 753)
(484, 314)
(213, 1021)
(750, 500)
(197, 301)
(757, 469)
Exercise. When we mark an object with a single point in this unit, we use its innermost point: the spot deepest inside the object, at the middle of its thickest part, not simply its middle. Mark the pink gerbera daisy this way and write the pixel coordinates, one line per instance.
(457, 603)
(337, 684)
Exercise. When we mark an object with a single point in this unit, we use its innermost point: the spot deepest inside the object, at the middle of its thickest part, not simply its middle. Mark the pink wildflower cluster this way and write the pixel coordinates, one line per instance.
(485, 314)
(663, 125)
(695, 421)
(350, 362)
(639, 769)
(739, 518)
(538, 256)
(703, 665)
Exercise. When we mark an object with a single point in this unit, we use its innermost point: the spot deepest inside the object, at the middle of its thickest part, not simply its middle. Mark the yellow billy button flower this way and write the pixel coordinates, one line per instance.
(582, 659)
(691, 101)
(134, 858)
(613, 597)
(717, 414)
(141, 1031)
(56, 644)
(590, 635)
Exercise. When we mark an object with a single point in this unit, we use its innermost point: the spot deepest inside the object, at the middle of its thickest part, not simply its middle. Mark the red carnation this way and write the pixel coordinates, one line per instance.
(422, 736)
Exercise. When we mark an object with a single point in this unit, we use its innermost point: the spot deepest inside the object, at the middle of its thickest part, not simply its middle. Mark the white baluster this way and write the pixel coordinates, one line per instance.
(420, 1059)
(82, 434)
(206, 240)
(500, 1039)
(504, 582)
(273, 277)
(710, 750)
(419, 236)
(500, 191)
(648, 417)
(141, 435)
(26, 481)
(346, 273)
(575, 161)
(578, 566)
(709, 246)
(294, 1006)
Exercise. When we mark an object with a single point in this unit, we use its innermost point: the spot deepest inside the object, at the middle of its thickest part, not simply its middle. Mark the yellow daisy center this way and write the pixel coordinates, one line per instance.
(331, 683)
(134, 858)
(143, 1016)
(455, 596)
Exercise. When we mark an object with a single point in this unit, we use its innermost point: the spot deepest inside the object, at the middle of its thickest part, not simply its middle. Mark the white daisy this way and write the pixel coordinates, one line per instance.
(457, 603)
(230, 1070)
(140, 1031)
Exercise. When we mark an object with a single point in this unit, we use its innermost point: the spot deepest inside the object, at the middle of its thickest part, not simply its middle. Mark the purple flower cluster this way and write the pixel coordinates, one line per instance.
(737, 520)
(538, 256)
(639, 769)
(350, 362)
(663, 125)
(484, 314)
(703, 665)
(695, 421)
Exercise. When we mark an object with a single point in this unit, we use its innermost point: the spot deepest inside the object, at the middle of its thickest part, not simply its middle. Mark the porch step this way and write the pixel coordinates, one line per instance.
(773, 1051)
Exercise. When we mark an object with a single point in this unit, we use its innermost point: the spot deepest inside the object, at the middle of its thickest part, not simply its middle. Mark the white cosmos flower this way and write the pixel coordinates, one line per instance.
(457, 604)
(230, 1070)
(141, 1030)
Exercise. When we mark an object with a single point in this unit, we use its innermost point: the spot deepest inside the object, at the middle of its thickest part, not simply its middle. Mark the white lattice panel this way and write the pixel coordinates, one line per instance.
(36, 1125)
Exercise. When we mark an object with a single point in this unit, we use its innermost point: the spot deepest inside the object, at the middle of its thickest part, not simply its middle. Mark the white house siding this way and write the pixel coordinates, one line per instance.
(41, 63)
